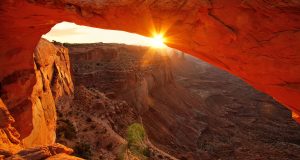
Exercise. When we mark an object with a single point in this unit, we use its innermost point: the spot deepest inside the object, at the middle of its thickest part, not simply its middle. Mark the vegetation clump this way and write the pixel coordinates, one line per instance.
(136, 137)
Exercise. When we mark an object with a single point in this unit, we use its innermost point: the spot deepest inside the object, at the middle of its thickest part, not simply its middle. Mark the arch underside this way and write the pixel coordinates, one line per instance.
(258, 41)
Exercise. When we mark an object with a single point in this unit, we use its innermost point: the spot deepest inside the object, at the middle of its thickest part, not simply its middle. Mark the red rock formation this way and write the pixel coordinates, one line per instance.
(124, 71)
(10, 142)
(53, 80)
(30, 96)
(43, 152)
(216, 118)
(63, 156)
(258, 41)
(255, 40)
(12, 148)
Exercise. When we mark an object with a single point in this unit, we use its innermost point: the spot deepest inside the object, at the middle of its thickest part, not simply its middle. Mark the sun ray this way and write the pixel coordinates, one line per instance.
(158, 41)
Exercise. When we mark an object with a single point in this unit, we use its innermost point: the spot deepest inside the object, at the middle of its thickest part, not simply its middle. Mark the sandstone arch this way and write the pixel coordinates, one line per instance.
(258, 41)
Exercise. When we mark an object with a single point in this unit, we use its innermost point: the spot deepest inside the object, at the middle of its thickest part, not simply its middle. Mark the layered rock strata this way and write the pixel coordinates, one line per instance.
(255, 40)
(30, 121)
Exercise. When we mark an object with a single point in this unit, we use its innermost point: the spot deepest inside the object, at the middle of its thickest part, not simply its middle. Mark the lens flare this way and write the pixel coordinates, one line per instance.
(158, 41)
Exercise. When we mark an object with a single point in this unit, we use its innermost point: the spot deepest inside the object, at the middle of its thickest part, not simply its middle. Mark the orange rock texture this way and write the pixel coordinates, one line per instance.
(53, 151)
(30, 118)
(12, 148)
(53, 80)
(258, 41)
(9, 136)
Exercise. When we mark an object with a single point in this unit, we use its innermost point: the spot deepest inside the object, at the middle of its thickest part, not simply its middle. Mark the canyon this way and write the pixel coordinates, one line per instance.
(257, 41)
(189, 109)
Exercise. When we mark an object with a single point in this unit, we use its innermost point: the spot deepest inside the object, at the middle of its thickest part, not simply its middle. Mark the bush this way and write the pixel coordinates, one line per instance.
(136, 136)
(83, 150)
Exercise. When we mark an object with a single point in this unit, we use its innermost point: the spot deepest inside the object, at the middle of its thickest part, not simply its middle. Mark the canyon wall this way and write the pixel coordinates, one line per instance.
(143, 78)
(258, 41)
(53, 80)
(113, 86)
(255, 40)
(9, 135)
(121, 71)
(214, 115)
(30, 118)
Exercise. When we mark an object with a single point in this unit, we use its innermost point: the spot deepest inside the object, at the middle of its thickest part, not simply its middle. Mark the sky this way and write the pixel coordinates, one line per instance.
(72, 33)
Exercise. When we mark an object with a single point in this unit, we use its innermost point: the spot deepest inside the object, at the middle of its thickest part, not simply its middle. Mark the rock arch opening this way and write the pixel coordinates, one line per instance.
(243, 41)
(240, 37)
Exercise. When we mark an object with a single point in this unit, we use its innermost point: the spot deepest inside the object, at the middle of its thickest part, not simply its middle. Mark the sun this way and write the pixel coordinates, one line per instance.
(157, 41)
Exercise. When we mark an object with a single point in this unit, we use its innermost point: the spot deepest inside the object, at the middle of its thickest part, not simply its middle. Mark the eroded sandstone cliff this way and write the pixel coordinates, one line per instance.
(10, 141)
(53, 80)
(121, 71)
(214, 116)
(113, 83)
(255, 40)
(13, 147)
(30, 118)
(117, 85)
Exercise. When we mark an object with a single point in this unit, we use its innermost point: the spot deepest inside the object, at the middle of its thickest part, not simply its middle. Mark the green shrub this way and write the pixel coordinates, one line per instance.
(136, 136)
(83, 150)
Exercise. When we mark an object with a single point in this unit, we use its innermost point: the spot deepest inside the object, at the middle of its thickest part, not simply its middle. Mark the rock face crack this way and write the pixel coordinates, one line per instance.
(230, 28)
